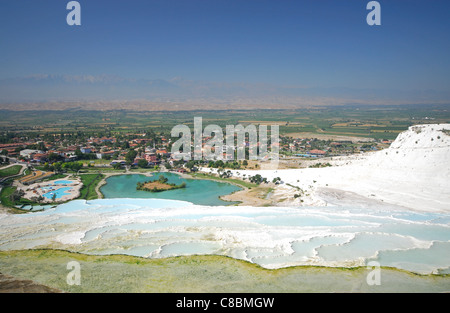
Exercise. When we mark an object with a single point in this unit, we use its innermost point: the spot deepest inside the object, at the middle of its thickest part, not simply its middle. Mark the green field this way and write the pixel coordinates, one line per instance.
(10, 171)
(363, 121)
(90, 181)
(5, 195)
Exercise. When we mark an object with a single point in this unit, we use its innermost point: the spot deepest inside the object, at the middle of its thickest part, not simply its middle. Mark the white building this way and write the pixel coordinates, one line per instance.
(28, 153)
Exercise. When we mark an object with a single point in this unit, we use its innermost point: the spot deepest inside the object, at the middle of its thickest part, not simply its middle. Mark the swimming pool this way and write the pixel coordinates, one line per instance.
(60, 192)
(63, 182)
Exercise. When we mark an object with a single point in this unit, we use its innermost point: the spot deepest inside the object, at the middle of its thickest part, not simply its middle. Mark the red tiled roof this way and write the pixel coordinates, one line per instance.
(316, 151)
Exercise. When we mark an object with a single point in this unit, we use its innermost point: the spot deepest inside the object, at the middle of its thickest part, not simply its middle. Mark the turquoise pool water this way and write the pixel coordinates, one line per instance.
(63, 182)
(59, 193)
(197, 191)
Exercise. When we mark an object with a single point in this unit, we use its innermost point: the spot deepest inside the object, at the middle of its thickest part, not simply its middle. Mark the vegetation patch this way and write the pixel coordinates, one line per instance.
(90, 182)
(7, 195)
(201, 273)
(161, 184)
(319, 165)
(10, 171)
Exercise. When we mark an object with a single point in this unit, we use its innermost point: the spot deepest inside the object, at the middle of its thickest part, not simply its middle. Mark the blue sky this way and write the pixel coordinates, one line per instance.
(311, 43)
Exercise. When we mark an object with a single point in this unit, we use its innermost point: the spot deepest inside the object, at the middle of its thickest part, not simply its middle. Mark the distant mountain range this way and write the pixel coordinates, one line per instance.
(109, 92)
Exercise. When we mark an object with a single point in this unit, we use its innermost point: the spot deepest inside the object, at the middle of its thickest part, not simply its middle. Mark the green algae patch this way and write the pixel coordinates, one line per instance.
(201, 273)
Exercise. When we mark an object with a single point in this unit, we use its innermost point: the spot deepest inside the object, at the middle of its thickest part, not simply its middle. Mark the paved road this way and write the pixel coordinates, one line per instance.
(24, 166)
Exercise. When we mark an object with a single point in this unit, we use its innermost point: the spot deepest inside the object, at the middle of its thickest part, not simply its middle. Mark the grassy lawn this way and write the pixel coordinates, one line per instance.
(90, 181)
(6, 192)
(102, 169)
(10, 171)
(96, 162)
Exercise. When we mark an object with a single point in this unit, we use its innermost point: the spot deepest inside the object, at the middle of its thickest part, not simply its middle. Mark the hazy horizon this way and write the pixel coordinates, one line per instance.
(230, 53)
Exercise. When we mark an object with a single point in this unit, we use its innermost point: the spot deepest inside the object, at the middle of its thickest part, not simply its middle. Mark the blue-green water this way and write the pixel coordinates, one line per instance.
(197, 191)
(58, 193)
(272, 237)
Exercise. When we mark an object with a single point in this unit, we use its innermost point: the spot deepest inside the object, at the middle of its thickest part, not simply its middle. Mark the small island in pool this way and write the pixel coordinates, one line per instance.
(159, 185)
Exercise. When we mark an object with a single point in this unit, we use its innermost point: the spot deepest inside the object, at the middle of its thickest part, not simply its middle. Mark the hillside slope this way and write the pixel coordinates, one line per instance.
(414, 172)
